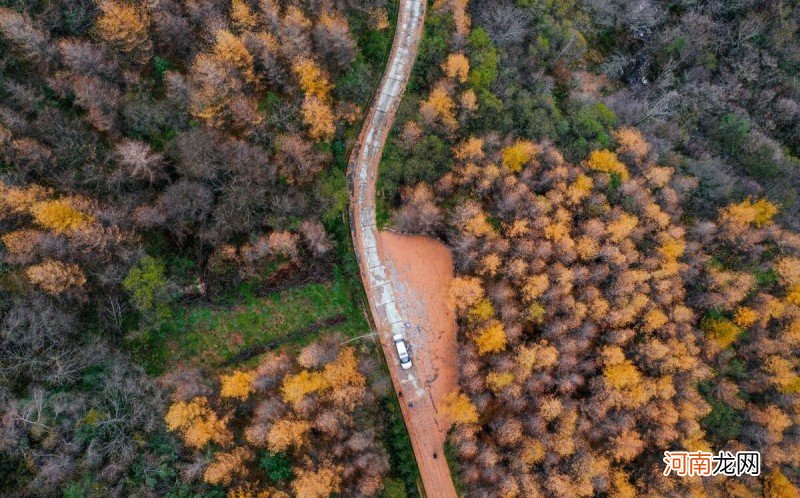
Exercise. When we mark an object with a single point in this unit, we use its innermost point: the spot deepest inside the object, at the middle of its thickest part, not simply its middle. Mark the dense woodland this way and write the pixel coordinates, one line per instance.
(158, 156)
(304, 416)
(582, 300)
(617, 179)
(617, 183)
(713, 85)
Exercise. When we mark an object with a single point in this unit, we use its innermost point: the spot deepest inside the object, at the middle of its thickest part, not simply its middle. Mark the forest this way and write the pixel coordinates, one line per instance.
(617, 179)
(617, 182)
(172, 190)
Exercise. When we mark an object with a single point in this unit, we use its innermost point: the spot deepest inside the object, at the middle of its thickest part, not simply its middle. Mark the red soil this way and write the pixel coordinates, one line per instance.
(421, 270)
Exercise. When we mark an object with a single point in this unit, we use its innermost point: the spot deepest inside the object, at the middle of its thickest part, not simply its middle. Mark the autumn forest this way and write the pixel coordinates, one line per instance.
(181, 308)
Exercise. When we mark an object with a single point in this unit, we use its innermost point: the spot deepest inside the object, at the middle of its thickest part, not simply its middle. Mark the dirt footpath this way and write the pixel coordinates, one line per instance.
(421, 270)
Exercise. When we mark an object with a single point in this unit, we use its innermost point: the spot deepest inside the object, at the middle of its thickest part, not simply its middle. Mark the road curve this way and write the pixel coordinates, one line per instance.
(415, 402)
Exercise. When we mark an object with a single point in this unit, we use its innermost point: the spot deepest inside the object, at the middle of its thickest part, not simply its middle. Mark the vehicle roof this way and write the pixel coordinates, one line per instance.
(401, 347)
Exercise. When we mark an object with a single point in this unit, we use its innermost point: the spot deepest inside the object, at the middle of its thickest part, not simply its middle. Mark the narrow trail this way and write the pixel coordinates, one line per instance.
(389, 317)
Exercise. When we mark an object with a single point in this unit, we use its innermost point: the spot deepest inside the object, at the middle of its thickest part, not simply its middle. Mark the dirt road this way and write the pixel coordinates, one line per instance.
(421, 271)
(416, 402)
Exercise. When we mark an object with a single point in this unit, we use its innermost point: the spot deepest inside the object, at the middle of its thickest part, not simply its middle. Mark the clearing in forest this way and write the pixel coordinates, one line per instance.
(421, 270)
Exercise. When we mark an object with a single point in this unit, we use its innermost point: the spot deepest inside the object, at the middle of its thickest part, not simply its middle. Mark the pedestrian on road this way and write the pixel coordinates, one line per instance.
(411, 405)
(434, 455)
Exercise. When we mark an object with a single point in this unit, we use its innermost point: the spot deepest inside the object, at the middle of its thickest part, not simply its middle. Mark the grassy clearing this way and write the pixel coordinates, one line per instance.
(210, 334)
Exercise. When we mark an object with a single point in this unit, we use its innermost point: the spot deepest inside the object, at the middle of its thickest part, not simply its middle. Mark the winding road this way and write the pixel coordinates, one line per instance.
(416, 402)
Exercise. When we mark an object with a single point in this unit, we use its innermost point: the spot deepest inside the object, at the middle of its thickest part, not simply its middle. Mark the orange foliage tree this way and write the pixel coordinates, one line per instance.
(319, 483)
(17, 200)
(197, 423)
(456, 67)
(309, 409)
(228, 47)
(458, 9)
(125, 27)
(465, 292)
(632, 142)
(439, 107)
(313, 79)
(242, 15)
(227, 465)
(319, 118)
(55, 277)
(287, 433)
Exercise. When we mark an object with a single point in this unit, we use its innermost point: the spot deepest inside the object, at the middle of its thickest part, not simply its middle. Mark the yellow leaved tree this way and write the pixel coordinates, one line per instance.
(228, 47)
(744, 316)
(480, 311)
(316, 109)
(296, 386)
(491, 339)
(623, 378)
(498, 380)
(777, 485)
(59, 216)
(313, 79)
(606, 161)
(721, 330)
(238, 385)
(458, 407)
(747, 212)
(519, 154)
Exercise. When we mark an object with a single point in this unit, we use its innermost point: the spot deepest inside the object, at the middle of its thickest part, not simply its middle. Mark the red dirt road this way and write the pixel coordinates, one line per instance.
(386, 304)
(421, 270)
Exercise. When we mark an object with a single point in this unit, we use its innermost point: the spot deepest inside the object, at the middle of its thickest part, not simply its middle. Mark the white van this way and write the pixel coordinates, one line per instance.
(402, 351)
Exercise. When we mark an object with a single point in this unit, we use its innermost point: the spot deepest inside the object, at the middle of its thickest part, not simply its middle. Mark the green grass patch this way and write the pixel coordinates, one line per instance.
(211, 334)
(383, 215)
